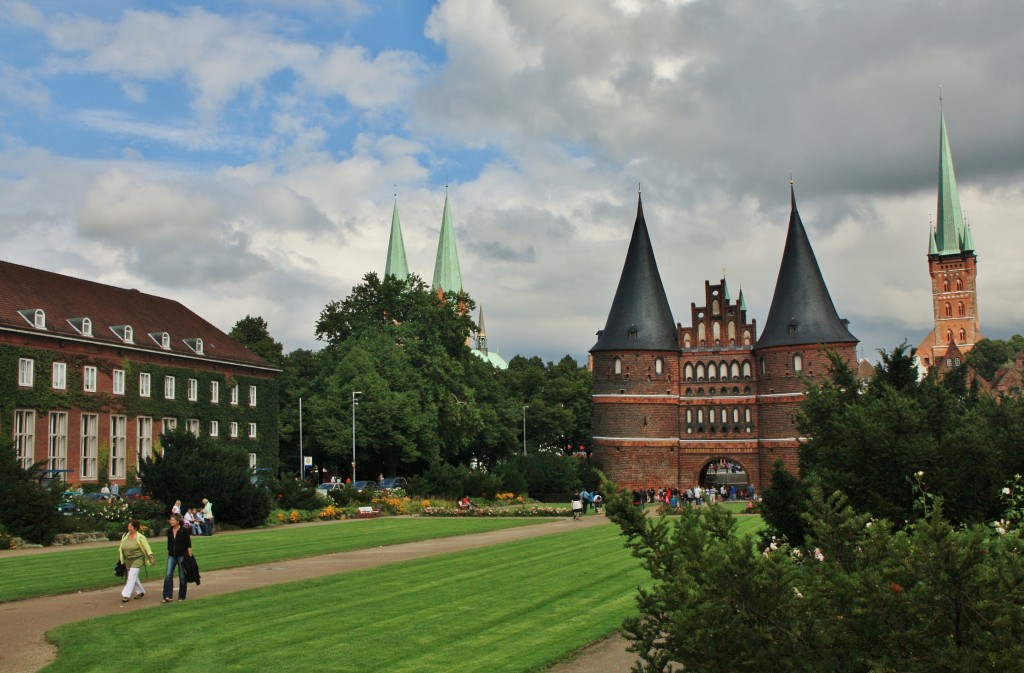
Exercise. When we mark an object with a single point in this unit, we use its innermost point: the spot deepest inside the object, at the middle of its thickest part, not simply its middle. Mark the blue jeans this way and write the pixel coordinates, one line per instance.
(173, 561)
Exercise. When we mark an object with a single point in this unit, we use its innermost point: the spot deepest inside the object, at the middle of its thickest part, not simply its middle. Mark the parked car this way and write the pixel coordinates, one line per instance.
(67, 505)
(106, 497)
(325, 487)
(133, 493)
(363, 485)
(392, 483)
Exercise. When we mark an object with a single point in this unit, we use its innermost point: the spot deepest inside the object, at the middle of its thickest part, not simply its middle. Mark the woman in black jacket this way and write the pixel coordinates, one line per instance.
(179, 545)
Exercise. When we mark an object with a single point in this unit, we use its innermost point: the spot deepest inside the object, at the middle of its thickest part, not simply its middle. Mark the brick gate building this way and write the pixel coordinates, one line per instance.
(671, 401)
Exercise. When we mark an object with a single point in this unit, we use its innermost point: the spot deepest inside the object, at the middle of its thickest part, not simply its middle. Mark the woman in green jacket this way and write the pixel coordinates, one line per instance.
(134, 552)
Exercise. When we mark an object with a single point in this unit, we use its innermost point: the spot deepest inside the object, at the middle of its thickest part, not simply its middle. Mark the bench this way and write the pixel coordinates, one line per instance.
(367, 512)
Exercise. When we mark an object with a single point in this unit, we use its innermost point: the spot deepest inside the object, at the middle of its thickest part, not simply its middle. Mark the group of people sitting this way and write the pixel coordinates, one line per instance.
(197, 521)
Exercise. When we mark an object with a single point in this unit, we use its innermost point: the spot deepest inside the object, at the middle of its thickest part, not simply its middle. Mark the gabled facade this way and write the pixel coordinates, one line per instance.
(672, 403)
(91, 374)
(953, 268)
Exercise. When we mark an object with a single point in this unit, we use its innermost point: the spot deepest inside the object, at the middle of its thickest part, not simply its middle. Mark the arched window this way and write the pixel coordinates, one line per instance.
(963, 335)
(949, 336)
(714, 308)
(945, 286)
(716, 331)
(689, 415)
(700, 415)
(959, 284)
(734, 370)
(746, 415)
(701, 333)
(686, 340)
(40, 319)
(798, 363)
(763, 367)
(688, 372)
(659, 366)
(732, 332)
(700, 371)
(618, 366)
(746, 337)
(960, 310)
(712, 372)
(86, 327)
(723, 371)
(735, 415)
(129, 334)
(711, 416)
(746, 369)
(949, 310)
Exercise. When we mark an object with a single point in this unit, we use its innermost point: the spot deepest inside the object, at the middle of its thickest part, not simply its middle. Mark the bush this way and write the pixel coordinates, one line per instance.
(455, 481)
(289, 493)
(542, 472)
(27, 509)
(191, 468)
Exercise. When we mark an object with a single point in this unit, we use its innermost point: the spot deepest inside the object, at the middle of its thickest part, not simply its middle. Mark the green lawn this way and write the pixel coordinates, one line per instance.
(92, 568)
(512, 607)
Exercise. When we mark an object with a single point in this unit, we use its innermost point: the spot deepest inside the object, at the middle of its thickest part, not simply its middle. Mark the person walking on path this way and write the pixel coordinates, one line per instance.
(207, 517)
(134, 552)
(179, 545)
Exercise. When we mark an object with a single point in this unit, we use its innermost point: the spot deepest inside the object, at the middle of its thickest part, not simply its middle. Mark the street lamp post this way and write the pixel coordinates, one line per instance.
(355, 403)
(525, 407)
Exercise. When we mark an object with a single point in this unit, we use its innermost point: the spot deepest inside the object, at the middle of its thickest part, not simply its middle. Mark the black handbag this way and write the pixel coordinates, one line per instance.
(120, 569)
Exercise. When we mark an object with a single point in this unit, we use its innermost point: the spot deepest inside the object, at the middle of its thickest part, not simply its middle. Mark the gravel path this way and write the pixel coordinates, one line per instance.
(24, 649)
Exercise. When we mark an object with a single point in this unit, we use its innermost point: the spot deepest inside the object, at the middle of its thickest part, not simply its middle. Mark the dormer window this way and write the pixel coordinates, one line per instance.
(81, 325)
(163, 339)
(124, 332)
(196, 345)
(35, 317)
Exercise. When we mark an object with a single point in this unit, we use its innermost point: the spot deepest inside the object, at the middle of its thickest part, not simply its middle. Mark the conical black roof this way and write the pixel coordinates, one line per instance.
(802, 311)
(640, 318)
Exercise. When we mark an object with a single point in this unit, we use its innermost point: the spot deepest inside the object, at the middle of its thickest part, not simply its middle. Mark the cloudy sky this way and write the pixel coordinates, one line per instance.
(243, 156)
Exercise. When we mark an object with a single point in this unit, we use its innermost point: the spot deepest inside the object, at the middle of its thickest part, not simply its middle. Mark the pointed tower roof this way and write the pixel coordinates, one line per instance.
(396, 264)
(949, 225)
(481, 333)
(447, 276)
(742, 301)
(640, 318)
(802, 311)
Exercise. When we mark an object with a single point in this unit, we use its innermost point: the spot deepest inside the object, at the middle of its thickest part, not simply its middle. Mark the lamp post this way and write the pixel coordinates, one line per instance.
(525, 407)
(302, 462)
(355, 403)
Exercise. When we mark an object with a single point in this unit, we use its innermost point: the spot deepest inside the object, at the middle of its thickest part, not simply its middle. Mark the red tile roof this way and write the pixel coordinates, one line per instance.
(64, 297)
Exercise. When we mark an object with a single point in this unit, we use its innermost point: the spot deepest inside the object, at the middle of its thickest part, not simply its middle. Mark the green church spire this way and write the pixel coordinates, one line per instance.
(447, 276)
(949, 225)
(396, 264)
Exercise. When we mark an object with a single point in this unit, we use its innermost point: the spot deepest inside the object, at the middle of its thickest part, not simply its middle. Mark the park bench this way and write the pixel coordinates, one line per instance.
(365, 512)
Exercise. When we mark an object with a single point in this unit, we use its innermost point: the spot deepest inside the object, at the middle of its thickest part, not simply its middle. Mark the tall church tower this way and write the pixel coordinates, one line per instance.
(953, 267)
(396, 264)
(447, 275)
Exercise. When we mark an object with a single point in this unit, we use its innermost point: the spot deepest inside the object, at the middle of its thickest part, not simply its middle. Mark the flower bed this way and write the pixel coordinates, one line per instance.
(532, 511)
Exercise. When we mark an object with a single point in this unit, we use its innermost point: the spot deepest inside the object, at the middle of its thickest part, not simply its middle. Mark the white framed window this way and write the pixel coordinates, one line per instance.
(25, 437)
(214, 429)
(659, 366)
(252, 431)
(26, 372)
(169, 423)
(617, 366)
(192, 425)
(168, 387)
(798, 363)
(124, 332)
(81, 325)
(145, 384)
(234, 394)
(118, 381)
(163, 339)
(252, 461)
(215, 392)
(196, 345)
(193, 390)
(57, 457)
(145, 437)
(60, 375)
(118, 445)
(40, 318)
(89, 379)
(233, 429)
(90, 445)
(252, 396)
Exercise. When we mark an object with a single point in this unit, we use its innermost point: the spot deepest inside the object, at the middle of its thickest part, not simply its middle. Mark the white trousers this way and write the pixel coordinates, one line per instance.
(132, 584)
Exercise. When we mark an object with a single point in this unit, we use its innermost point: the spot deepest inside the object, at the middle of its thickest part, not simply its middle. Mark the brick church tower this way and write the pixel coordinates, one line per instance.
(635, 365)
(953, 267)
(802, 325)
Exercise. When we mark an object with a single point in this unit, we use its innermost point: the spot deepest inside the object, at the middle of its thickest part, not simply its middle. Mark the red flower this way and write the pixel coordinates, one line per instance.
(896, 588)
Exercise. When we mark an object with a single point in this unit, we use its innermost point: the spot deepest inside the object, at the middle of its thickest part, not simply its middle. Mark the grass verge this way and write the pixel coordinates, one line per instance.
(509, 608)
(84, 569)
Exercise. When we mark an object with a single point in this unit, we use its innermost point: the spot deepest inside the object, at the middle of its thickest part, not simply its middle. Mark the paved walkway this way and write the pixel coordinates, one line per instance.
(24, 649)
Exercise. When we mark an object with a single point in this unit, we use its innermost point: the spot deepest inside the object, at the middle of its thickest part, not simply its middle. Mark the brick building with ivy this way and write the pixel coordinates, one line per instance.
(91, 374)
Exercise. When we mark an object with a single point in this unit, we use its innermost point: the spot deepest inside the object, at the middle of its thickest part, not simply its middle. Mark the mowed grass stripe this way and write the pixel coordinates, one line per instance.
(508, 608)
(80, 570)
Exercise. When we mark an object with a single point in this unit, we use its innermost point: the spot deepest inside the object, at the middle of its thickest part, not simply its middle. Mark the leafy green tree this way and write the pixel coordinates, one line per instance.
(783, 505)
(988, 355)
(860, 597)
(299, 380)
(254, 333)
(190, 468)
(27, 509)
